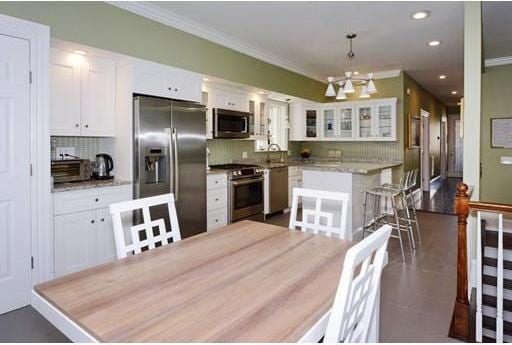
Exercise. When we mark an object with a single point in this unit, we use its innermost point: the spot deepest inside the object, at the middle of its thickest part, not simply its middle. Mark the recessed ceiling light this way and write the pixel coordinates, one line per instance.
(454, 92)
(206, 79)
(261, 92)
(80, 52)
(459, 103)
(442, 76)
(420, 15)
(356, 73)
(434, 43)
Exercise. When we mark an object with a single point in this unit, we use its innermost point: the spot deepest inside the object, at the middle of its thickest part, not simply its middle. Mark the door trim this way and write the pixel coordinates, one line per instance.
(38, 36)
(424, 163)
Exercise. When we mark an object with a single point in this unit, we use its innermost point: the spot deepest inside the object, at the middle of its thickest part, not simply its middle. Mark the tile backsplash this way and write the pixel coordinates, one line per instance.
(85, 147)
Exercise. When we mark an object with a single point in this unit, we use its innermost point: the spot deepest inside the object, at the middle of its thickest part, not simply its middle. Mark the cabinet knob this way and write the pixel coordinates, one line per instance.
(216, 199)
(216, 220)
(176, 90)
(102, 219)
(77, 125)
(86, 126)
(96, 199)
(170, 89)
(92, 221)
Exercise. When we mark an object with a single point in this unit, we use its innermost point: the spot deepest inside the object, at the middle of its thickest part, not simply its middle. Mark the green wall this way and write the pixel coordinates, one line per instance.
(496, 179)
(104, 26)
(418, 98)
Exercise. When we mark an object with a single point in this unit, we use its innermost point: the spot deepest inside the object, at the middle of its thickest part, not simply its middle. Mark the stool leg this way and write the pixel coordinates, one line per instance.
(410, 232)
(413, 209)
(395, 211)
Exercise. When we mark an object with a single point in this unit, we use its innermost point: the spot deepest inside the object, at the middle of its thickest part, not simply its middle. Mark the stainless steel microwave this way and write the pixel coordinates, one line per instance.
(231, 124)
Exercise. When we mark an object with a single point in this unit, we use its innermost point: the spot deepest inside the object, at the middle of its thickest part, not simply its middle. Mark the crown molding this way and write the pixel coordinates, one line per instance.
(505, 60)
(168, 18)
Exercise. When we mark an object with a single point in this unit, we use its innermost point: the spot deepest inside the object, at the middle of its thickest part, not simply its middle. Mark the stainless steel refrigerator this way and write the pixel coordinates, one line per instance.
(170, 156)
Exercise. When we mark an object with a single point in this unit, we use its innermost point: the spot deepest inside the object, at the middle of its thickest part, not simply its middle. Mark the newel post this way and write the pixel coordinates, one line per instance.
(460, 327)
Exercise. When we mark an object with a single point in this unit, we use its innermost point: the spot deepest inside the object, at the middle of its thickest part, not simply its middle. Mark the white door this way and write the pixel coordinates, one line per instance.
(64, 93)
(425, 167)
(75, 241)
(98, 97)
(455, 151)
(15, 234)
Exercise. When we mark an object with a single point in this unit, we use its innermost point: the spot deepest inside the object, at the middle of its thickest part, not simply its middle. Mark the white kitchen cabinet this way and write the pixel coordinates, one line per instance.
(385, 119)
(64, 94)
(346, 122)
(216, 201)
(365, 121)
(155, 79)
(330, 123)
(83, 231)
(294, 181)
(74, 241)
(82, 95)
(231, 100)
(305, 121)
(98, 98)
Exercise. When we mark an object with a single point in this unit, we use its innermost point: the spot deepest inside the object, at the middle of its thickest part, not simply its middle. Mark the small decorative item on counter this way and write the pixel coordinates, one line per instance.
(305, 153)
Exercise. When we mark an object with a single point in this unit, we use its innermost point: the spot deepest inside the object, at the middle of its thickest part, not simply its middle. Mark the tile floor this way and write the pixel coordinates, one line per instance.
(416, 302)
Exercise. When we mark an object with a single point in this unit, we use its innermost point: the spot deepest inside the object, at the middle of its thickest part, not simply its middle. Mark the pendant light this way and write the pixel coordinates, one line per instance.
(347, 82)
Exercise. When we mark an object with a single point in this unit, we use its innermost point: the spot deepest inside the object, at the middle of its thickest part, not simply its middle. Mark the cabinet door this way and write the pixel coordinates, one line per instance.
(209, 116)
(150, 79)
(98, 98)
(385, 120)
(297, 120)
(231, 100)
(346, 123)
(75, 241)
(311, 123)
(184, 85)
(106, 246)
(365, 121)
(329, 127)
(64, 93)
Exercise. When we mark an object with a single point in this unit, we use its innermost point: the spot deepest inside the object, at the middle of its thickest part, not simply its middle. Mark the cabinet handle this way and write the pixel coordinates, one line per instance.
(96, 199)
(216, 199)
(170, 89)
(102, 219)
(77, 125)
(176, 90)
(216, 220)
(86, 126)
(92, 221)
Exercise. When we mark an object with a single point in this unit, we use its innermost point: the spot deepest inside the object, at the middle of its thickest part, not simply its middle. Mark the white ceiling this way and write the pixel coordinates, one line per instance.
(309, 37)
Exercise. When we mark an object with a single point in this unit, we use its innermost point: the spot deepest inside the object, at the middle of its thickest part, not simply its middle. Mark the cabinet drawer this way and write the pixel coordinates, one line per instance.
(216, 198)
(216, 181)
(217, 218)
(90, 199)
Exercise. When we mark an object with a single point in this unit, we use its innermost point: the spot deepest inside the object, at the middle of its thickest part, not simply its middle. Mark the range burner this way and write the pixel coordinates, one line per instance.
(239, 171)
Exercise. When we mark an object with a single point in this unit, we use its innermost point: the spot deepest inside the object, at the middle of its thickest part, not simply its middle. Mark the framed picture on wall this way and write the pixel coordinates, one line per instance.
(414, 131)
(501, 133)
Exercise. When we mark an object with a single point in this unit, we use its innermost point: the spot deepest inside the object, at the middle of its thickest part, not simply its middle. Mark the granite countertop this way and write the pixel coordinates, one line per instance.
(363, 168)
(70, 186)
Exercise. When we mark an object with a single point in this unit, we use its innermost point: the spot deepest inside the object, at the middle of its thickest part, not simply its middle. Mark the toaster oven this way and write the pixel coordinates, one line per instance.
(71, 170)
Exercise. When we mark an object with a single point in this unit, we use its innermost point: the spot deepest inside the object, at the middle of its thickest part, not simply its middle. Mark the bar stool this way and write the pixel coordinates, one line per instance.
(376, 200)
(406, 187)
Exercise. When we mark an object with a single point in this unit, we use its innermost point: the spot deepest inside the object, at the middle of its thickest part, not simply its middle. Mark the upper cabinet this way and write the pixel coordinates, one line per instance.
(153, 79)
(224, 99)
(82, 95)
(372, 120)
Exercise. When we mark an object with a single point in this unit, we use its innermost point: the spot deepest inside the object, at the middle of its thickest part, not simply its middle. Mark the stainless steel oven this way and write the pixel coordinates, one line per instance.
(246, 198)
(231, 124)
(245, 191)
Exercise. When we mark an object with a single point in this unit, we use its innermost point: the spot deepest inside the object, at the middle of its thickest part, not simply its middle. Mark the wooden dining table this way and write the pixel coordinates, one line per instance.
(246, 282)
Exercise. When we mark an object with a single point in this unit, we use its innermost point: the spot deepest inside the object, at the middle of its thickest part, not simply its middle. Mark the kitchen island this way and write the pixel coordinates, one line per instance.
(346, 177)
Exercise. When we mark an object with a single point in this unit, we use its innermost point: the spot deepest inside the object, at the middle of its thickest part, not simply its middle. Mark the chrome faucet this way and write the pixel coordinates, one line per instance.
(281, 158)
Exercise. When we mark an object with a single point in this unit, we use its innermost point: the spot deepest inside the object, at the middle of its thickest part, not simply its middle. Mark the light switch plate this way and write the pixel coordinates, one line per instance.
(244, 154)
(506, 160)
(60, 152)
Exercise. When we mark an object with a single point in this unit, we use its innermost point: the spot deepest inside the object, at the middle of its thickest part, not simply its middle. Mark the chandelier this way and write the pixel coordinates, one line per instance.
(347, 82)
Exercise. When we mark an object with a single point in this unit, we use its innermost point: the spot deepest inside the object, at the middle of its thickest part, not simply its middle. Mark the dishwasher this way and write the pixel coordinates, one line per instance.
(276, 189)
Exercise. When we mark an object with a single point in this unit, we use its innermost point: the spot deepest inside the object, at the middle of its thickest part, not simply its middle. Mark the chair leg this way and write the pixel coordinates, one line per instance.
(395, 211)
(407, 214)
(415, 215)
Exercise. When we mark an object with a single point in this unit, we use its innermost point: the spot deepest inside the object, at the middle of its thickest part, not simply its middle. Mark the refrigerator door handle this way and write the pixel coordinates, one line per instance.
(170, 155)
(175, 158)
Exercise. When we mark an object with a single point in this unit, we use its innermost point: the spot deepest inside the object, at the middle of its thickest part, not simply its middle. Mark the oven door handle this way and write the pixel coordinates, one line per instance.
(248, 181)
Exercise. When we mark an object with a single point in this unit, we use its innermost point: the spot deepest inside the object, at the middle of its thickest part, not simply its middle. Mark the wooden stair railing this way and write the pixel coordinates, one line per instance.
(460, 327)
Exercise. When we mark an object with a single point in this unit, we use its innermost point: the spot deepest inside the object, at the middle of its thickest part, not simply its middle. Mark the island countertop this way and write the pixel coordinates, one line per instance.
(364, 168)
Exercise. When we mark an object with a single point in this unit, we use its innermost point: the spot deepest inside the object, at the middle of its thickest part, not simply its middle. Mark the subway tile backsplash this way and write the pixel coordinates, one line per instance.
(85, 147)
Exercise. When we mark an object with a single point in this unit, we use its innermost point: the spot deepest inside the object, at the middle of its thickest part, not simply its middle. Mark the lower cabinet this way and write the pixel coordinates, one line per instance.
(83, 232)
(294, 181)
(216, 201)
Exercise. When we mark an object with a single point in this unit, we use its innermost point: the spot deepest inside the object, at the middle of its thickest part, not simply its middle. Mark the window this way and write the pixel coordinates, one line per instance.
(277, 130)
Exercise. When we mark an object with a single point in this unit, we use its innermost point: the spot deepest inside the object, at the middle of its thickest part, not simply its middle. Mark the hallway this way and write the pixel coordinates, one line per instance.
(441, 196)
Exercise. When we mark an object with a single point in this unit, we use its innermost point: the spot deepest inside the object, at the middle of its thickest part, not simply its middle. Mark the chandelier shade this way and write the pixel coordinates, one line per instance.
(348, 81)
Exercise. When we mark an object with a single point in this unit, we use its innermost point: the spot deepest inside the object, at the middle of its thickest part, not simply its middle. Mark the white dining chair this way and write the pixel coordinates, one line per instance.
(352, 313)
(147, 227)
(328, 216)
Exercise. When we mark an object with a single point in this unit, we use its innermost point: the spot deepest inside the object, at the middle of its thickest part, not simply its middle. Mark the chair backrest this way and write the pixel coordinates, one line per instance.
(154, 230)
(405, 180)
(413, 179)
(352, 311)
(319, 219)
